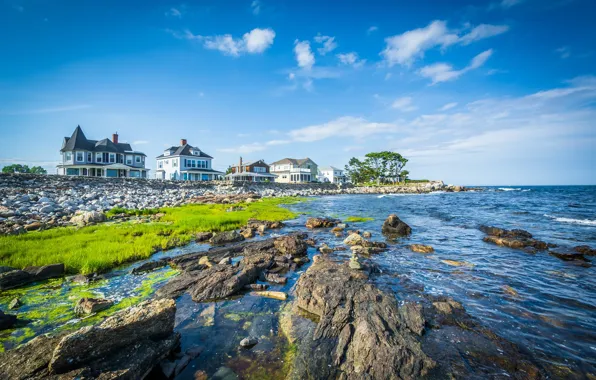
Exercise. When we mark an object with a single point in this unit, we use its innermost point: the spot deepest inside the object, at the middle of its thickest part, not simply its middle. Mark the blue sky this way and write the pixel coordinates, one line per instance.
(472, 92)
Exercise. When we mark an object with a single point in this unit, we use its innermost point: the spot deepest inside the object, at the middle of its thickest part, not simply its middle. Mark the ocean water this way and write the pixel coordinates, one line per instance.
(553, 315)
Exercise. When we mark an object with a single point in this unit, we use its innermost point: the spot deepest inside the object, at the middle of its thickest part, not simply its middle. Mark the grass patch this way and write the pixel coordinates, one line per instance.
(105, 246)
(357, 219)
(130, 212)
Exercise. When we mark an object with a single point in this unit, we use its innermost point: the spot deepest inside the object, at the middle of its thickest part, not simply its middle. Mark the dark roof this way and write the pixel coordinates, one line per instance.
(293, 161)
(78, 141)
(184, 150)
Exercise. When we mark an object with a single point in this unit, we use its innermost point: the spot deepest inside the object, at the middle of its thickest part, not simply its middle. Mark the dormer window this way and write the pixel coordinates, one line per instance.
(166, 153)
(194, 152)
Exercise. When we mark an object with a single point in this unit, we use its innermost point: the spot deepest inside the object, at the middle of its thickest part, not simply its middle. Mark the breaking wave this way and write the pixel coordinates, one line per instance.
(583, 222)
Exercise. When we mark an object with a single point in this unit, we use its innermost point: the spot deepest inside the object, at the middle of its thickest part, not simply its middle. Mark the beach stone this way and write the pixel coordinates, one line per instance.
(86, 306)
(247, 233)
(366, 235)
(88, 217)
(14, 279)
(395, 227)
(291, 245)
(45, 272)
(203, 236)
(226, 237)
(354, 239)
(33, 226)
(421, 248)
(15, 303)
(324, 248)
(313, 223)
(249, 342)
(518, 239)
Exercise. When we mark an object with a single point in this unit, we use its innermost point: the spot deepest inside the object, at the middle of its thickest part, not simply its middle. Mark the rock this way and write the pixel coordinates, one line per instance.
(394, 227)
(354, 264)
(4, 269)
(258, 287)
(366, 235)
(275, 278)
(14, 279)
(146, 321)
(15, 303)
(569, 256)
(421, 248)
(337, 230)
(518, 239)
(226, 237)
(365, 251)
(86, 306)
(7, 320)
(201, 375)
(354, 239)
(411, 313)
(149, 266)
(205, 261)
(454, 263)
(321, 223)
(224, 373)
(271, 294)
(203, 236)
(324, 248)
(45, 272)
(88, 217)
(291, 245)
(447, 307)
(249, 342)
(29, 360)
(310, 242)
(247, 233)
(85, 279)
(225, 261)
(181, 364)
(33, 226)
(585, 250)
(168, 368)
(509, 290)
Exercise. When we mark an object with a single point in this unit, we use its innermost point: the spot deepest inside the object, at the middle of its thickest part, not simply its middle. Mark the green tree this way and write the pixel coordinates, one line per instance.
(228, 170)
(404, 175)
(16, 168)
(38, 170)
(379, 167)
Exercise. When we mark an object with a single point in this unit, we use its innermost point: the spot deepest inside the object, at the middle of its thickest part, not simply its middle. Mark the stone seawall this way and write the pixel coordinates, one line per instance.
(41, 201)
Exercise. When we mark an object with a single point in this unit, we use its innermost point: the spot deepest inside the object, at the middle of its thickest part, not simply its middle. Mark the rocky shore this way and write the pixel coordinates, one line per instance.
(33, 202)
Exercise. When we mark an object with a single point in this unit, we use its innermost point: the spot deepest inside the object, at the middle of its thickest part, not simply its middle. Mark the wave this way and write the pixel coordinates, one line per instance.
(509, 188)
(393, 195)
(583, 222)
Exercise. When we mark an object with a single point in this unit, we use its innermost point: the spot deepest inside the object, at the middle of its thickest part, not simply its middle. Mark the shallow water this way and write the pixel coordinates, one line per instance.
(552, 316)
(554, 313)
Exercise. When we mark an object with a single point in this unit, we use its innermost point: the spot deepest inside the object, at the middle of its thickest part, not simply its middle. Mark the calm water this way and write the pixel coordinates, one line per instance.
(554, 314)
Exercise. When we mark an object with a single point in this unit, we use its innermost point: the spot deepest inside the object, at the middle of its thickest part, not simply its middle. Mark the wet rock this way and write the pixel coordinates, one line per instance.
(7, 320)
(226, 237)
(4, 269)
(14, 279)
(359, 333)
(201, 375)
(518, 239)
(88, 217)
(130, 327)
(15, 303)
(224, 373)
(585, 250)
(205, 261)
(321, 223)
(394, 227)
(291, 245)
(85, 279)
(45, 272)
(366, 251)
(421, 248)
(181, 364)
(203, 236)
(264, 224)
(30, 360)
(86, 306)
(225, 261)
(257, 287)
(310, 242)
(275, 278)
(33, 226)
(247, 233)
(447, 307)
(366, 235)
(411, 313)
(569, 256)
(509, 290)
(354, 239)
(168, 368)
(249, 342)
(337, 229)
(149, 266)
(271, 294)
(354, 263)
(324, 248)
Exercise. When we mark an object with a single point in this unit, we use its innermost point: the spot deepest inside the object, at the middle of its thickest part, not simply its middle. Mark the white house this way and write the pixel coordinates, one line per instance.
(331, 174)
(292, 170)
(186, 163)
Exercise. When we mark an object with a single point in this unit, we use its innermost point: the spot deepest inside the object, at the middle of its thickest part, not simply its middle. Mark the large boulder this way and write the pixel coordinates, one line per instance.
(394, 227)
(148, 320)
(291, 245)
(7, 320)
(226, 237)
(88, 217)
(354, 239)
(321, 223)
(86, 306)
(14, 279)
(45, 272)
(518, 239)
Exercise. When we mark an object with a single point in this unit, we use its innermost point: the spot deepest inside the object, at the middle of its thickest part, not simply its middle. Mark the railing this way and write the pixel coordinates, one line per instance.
(300, 170)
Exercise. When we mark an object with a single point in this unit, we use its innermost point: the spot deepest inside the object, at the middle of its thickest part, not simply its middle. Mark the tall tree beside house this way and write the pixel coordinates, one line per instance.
(379, 167)
(18, 168)
(228, 170)
(404, 175)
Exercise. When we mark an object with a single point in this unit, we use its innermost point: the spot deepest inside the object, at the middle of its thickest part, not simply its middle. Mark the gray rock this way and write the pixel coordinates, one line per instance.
(249, 342)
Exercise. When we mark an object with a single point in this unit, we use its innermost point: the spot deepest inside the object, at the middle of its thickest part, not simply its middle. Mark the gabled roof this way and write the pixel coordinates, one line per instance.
(78, 141)
(327, 168)
(184, 150)
(293, 161)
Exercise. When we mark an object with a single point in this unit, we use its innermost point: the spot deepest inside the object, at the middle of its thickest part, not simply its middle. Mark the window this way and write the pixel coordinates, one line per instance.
(175, 163)
(112, 158)
(79, 157)
(67, 156)
(138, 159)
(97, 157)
(128, 160)
(89, 157)
(167, 162)
(193, 163)
(160, 164)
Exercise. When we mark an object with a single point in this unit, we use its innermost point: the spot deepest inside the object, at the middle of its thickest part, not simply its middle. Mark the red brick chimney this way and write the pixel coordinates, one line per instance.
(183, 142)
(115, 138)
(240, 166)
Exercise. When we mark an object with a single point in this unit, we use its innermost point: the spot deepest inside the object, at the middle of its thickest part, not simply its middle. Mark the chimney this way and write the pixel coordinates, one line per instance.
(115, 138)
(240, 166)
(183, 142)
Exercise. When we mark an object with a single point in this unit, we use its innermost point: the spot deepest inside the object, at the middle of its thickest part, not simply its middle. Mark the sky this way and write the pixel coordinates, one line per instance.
(495, 92)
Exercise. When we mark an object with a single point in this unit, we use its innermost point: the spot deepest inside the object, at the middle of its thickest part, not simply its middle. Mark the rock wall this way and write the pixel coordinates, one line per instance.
(30, 202)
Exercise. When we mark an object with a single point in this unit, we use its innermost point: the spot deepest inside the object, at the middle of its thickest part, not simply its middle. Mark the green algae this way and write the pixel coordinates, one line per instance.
(358, 219)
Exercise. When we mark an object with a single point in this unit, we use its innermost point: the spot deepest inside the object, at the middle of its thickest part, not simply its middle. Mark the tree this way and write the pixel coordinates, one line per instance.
(404, 175)
(38, 170)
(228, 170)
(18, 168)
(379, 167)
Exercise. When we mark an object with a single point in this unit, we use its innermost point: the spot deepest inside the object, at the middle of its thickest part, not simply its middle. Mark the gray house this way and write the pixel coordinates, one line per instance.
(103, 158)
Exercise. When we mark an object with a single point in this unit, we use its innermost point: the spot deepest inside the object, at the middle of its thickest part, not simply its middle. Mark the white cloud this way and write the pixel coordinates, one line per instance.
(247, 148)
(443, 72)
(404, 104)
(372, 29)
(256, 7)
(351, 59)
(75, 107)
(407, 47)
(291, 76)
(254, 42)
(140, 142)
(173, 12)
(509, 3)
(564, 52)
(448, 106)
(304, 55)
(328, 44)
(347, 126)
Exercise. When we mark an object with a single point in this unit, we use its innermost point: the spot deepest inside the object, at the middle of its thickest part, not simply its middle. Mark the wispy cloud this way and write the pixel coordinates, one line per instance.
(173, 12)
(328, 43)
(351, 59)
(564, 52)
(254, 42)
(448, 106)
(140, 142)
(372, 29)
(47, 110)
(256, 7)
(404, 104)
(407, 47)
(443, 72)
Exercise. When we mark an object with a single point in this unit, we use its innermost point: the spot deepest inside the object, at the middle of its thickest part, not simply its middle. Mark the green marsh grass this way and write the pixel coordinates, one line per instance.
(105, 246)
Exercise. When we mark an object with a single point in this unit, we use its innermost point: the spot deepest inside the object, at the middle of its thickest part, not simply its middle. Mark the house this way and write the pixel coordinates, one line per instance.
(256, 171)
(291, 170)
(187, 163)
(331, 174)
(103, 158)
